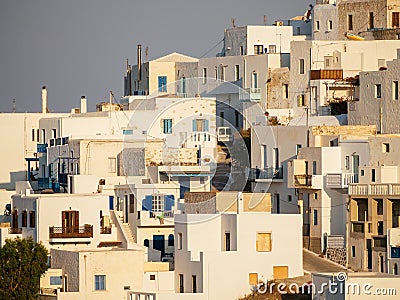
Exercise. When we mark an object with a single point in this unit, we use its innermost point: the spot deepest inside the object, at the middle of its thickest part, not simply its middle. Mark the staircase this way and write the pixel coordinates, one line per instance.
(128, 233)
(124, 230)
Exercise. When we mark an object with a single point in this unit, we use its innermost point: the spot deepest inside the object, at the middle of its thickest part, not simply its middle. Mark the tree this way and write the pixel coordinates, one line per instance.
(22, 263)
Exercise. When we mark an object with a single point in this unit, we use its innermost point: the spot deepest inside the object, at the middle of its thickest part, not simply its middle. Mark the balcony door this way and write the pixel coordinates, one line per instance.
(356, 165)
(70, 220)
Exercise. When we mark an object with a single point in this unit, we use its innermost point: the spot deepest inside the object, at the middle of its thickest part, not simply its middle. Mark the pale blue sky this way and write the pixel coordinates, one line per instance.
(79, 47)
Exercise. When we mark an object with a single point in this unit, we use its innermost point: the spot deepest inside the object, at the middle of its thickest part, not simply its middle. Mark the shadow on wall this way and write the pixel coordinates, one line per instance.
(14, 177)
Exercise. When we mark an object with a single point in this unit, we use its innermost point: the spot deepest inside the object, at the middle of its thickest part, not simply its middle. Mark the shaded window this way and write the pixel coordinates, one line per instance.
(131, 203)
(285, 91)
(264, 242)
(395, 90)
(24, 216)
(378, 91)
(146, 243)
(395, 19)
(315, 217)
(371, 20)
(32, 219)
(330, 25)
(237, 72)
(350, 22)
(301, 65)
(171, 240)
(258, 49)
(316, 25)
(353, 251)
(180, 283)
(204, 75)
(167, 126)
(227, 241)
(194, 284)
(99, 282)
(385, 147)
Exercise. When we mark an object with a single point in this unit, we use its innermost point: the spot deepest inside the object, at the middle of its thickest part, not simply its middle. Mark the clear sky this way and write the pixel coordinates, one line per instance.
(79, 47)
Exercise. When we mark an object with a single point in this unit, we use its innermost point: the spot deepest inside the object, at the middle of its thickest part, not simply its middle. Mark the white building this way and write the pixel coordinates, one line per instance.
(393, 251)
(325, 21)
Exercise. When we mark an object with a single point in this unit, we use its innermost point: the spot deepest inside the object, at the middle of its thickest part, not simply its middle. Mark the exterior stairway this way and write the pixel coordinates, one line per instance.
(124, 231)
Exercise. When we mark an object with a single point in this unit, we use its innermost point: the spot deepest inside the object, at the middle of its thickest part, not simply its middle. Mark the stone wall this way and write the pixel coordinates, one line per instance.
(337, 255)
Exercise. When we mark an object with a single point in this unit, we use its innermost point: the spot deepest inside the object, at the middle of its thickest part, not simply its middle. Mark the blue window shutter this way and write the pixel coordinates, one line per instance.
(169, 201)
(194, 125)
(206, 125)
(111, 202)
(147, 203)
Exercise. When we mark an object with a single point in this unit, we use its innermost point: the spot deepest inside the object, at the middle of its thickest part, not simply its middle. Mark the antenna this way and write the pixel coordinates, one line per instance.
(265, 20)
(146, 53)
(14, 110)
(233, 20)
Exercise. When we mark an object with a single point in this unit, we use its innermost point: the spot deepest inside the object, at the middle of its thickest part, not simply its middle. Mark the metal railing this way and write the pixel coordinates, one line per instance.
(12, 230)
(268, 173)
(105, 230)
(71, 232)
(165, 214)
(303, 180)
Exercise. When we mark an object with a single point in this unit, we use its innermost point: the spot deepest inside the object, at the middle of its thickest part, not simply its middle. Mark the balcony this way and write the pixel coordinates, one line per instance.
(304, 181)
(392, 189)
(105, 230)
(250, 94)
(14, 230)
(267, 174)
(71, 232)
(326, 74)
(340, 180)
(41, 148)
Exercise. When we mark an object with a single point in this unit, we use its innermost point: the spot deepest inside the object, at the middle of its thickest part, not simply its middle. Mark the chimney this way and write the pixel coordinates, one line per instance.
(44, 100)
(139, 62)
(83, 105)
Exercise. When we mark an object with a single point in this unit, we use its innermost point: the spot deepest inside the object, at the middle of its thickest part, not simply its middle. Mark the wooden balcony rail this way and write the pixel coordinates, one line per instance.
(105, 230)
(71, 232)
(326, 74)
(14, 230)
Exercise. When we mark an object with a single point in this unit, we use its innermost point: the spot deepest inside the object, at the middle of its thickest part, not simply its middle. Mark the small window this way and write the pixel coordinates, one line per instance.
(152, 277)
(373, 175)
(180, 241)
(395, 90)
(298, 147)
(253, 278)
(350, 22)
(301, 65)
(330, 25)
(180, 283)
(33, 135)
(264, 242)
(24, 216)
(127, 131)
(353, 251)
(194, 284)
(289, 197)
(54, 131)
(317, 25)
(378, 91)
(167, 126)
(99, 282)
(146, 243)
(237, 72)
(258, 49)
(157, 202)
(241, 50)
(55, 280)
(362, 172)
(272, 48)
(315, 196)
(371, 20)
(395, 19)
(204, 75)
(112, 165)
(314, 167)
(32, 219)
(385, 147)
(379, 207)
(347, 162)
(301, 100)
(227, 241)
(315, 217)
(285, 91)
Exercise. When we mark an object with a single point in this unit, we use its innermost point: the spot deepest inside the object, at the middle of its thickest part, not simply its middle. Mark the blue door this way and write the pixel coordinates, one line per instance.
(159, 243)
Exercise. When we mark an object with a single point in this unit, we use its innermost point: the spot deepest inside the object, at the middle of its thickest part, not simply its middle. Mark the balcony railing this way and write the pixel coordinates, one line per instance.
(14, 230)
(326, 74)
(375, 189)
(340, 180)
(165, 214)
(303, 180)
(105, 230)
(71, 232)
(250, 94)
(268, 173)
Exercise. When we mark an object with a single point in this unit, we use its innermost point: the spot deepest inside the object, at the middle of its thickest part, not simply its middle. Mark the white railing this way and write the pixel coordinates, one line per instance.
(375, 189)
(340, 180)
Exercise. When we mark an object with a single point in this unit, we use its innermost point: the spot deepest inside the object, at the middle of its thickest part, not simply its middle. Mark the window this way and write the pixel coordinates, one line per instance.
(378, 91)
(194, 284)
(112, 165)
(258, 49)
(347, 162)
(237, 72)
(330, 25)
(385, 147)
(54, 131)
(180, 283)
(162, 83)
(350, 22)
(264, 242)
(298, 147)
(272, 48)
(180, 241)
(285, 91)
(44, 136)
(395, 19)
(315, 196)
(200, 125)
(167, 126)
(289, 198)
(373, 175)
(314, 167)
(138, 215)
(127, 131)
(317, 25)
(362, 172)
(379, 207)
(301, 65)
(315, 217)
(33, 135)
(395, 90)
(236, 118)
(157, 203)
(353, 251)
(227, 241)
(254, 80)
(32, 219)
(241, 50)
(146, 243)
(99, 282)
(24, 216)
(216, 73)
(153, 277)
(301, 100)
(171, 240)
(131, 203)
(253, 278)
(204, 75)
(55, 280)
(371, 20)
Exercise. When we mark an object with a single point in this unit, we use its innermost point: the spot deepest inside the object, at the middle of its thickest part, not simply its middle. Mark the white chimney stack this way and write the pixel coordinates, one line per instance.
(83, 105)
(44, 100)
